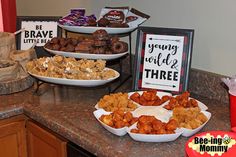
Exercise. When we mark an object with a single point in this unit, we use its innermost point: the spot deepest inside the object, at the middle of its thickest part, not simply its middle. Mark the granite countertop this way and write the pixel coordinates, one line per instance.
(68, 111)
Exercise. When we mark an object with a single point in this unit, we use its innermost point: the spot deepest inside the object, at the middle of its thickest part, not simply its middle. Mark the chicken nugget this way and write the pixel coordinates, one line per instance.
(133, 120)
(135, 97)
(128, 117)
(134, 130)
(145, 129)
(146, 119)
(157, 124)
(117, 117)
(120, 124)
(149, 95)
(165, 98)
(161, 131)
(107, 119)
(195, 123)
(171, 125)
(202, 117)
(193, 103)
(157, 102)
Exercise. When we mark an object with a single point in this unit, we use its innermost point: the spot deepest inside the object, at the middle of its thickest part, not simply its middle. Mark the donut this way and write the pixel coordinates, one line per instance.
(100, 34)
(73, 41)
(56, 47)
(103, 22)
(48, 45)
(62, 49)
(88, 41)
(108, 51)
(99, 50)
(83, 47)
(114, 39)
(63, 42)
(119, 47)
(70, 48)
(55, 40)
(100, 42)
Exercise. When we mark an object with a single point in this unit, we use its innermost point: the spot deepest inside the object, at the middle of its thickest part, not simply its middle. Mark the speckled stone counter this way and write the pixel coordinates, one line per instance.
(68, 111)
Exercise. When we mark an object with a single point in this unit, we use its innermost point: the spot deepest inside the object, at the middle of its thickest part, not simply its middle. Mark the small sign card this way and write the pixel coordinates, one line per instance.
(162, 59)
(39, 29)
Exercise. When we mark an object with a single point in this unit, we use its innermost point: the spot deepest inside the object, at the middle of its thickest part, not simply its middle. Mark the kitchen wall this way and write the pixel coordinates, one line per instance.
(213, 21)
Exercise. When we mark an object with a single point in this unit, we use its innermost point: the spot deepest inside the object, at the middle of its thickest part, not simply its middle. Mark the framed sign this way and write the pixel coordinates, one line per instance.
(162, 59)
(38, 29)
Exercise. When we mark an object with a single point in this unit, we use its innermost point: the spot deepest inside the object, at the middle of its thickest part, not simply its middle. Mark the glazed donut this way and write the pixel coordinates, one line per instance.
(114, 39)
(108, 51)
(63, 42)
(73, 41)
(83, 47)
(88, 41)
(48, 45)
(70, 48)
(100, 34)
(55, 40)
(100, 42)
(99, 50)
(56, 47)
(119, 47)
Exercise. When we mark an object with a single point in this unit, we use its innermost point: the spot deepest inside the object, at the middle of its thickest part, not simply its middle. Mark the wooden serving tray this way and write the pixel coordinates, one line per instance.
(22, 82)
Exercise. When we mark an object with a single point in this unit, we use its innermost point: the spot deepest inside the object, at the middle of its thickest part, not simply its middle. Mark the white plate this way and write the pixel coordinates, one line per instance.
(87, 55)
(190, 132)
(202, 106)
(157, 111)
(118, 132)
(74, 82)
(110, 30)
(153, 137)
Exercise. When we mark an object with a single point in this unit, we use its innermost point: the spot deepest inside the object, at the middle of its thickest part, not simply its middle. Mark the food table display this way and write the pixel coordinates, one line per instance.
(154, 120)
(147, 116)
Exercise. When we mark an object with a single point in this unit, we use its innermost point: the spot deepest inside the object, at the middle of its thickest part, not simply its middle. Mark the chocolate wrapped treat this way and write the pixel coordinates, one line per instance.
(135, 18)
(91, 22)
(103, 22)
(114, 14)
